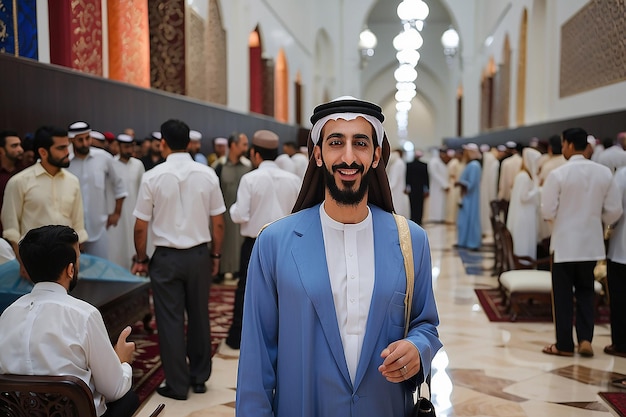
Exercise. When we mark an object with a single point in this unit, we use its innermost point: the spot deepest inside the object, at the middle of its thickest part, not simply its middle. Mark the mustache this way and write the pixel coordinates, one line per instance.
(343, 165)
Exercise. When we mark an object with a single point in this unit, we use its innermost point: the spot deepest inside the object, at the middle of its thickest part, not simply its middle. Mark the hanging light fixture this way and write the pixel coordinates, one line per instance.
(408, 39)
(408, 56)
(367, 44)
(405, 74)
(450, 42)
(406, 86)
(403, 106)
(405, 95)
(412, 10)
(412, 14)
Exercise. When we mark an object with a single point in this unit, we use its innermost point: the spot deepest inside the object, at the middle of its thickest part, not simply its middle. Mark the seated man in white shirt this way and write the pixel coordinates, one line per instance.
(49, 332)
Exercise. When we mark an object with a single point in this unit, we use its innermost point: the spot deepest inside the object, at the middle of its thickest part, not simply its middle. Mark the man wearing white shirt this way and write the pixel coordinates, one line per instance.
(509, 168)
(578, 198)
(195, 147)
(120, 237)
(614, 157)
(438, 186)
(96, 173)
(265, 194)
(181, 202)
(616, 275)
(49, 332)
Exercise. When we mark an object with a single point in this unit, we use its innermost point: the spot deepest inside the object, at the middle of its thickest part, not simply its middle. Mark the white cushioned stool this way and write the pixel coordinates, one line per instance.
(529, 286)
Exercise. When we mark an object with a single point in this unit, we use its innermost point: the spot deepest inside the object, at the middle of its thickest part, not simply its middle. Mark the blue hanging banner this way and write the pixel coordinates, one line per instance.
(18, 28)
(7, 27)
(27, 28)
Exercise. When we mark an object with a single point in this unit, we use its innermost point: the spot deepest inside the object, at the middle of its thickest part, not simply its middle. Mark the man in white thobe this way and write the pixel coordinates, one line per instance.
(121, 239)
(438, 187)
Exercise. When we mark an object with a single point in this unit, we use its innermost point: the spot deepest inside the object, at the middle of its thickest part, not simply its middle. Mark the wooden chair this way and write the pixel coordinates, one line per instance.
(43, 396)
(40, 396)
(520, 281)
(498, 215)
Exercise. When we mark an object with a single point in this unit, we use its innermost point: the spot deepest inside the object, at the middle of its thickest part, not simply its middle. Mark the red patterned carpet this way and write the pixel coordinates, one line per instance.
(492, 303)
(147, 371)
(617, 401)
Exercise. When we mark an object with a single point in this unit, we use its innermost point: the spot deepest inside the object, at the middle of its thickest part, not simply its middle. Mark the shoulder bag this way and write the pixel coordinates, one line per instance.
(423, 407)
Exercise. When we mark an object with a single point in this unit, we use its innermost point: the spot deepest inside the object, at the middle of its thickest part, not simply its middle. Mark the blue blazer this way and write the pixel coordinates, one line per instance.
(292, 361)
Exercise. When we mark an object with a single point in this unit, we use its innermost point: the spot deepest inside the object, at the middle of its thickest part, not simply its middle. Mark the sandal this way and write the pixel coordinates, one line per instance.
(552, 350)
(610, 350)
(585, 349)
(619, 383)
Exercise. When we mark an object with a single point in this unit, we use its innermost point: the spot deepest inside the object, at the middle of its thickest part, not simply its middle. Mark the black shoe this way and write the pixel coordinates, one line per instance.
(198, 388)
(166, 391)
(233, 343)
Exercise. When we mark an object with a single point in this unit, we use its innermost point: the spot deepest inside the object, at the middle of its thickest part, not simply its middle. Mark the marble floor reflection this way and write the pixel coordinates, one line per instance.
(484, 369)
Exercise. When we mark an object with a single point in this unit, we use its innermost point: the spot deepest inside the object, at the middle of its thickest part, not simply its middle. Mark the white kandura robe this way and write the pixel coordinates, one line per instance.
(396, 173)
(488, 190)
(522, 219)
(121, 237)
(455, 168)
(438, 177)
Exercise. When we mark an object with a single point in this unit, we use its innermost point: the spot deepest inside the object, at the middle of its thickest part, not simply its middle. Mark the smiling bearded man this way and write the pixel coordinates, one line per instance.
(323, 326)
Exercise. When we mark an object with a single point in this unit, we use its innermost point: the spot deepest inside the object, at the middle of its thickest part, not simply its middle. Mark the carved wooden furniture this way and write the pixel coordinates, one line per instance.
(521, 282)
(42, 396)
(498, 215)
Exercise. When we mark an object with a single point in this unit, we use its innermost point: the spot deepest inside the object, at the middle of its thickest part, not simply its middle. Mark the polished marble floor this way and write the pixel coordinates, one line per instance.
(484, 369)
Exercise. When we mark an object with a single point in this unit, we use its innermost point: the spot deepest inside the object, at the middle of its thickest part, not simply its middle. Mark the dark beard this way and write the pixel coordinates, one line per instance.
(58, 162)
(81, 151)
(346, 197)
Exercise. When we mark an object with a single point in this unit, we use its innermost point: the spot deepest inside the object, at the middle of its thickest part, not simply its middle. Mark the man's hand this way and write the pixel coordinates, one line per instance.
(215, 267)
(401, 361)
(139, 269)
(123, 348)
(113, 219)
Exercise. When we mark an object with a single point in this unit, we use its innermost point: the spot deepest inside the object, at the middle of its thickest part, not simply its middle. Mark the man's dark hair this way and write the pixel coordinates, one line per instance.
(28, 142)
(266, 154)
(4, 135)
(44, 135)
(555, 144)
(608, 142)
(577, 137)
(47, 250)
(233, 138)
(291, 144)
(176, 134)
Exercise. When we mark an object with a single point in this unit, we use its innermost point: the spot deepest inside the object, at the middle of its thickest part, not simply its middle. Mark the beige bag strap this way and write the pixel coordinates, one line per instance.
(407, 253)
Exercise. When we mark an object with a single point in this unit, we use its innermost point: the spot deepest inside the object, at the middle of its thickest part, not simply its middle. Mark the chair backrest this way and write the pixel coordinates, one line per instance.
(498, 250)
(511, 261)
(499, 210)
(35, 396)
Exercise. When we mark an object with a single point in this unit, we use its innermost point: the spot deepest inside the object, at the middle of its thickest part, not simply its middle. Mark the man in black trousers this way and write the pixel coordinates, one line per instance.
(417, 184)
(181, 201)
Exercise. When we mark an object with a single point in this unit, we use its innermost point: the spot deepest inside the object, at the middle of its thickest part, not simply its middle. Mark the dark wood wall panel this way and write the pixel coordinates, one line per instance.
(600, 125)
(33, 94)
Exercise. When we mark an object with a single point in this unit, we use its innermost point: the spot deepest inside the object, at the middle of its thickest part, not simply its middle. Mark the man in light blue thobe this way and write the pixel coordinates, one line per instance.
(468, 220)
(323, 326)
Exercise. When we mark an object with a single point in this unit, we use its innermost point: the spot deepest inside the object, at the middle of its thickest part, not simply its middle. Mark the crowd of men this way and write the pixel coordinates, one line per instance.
(155, 207)
(162, 208)
(565, 199)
